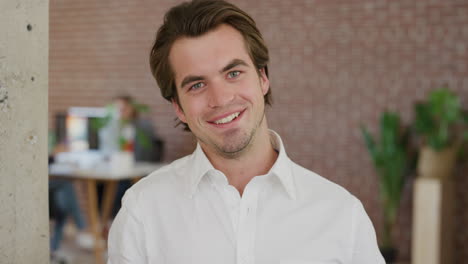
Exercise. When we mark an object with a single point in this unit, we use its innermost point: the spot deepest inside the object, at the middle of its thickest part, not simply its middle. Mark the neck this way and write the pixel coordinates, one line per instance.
(257, 160)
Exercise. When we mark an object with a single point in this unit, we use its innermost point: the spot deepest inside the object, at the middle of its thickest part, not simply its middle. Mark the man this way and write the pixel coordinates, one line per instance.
(238, 198)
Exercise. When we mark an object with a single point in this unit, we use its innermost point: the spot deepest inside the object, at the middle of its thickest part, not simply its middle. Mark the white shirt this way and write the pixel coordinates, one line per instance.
(187, 212)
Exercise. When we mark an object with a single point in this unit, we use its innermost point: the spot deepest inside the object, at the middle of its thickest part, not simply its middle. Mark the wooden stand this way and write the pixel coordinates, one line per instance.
(432, 241)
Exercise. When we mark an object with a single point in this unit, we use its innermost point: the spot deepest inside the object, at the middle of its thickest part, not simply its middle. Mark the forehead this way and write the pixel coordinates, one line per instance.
(207, 53)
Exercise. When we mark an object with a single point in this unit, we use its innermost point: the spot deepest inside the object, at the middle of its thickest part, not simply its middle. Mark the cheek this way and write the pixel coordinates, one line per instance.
(193, 108)
(252, 91)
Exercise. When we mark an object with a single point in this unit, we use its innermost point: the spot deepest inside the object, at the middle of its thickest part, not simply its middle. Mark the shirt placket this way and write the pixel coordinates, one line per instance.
(246, 226)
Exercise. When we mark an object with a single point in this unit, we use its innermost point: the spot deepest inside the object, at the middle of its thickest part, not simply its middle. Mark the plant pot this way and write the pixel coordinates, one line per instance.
(389, 254)
(436, 164)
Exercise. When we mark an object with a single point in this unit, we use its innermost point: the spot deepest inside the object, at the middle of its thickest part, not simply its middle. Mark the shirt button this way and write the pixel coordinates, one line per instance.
(242, 261)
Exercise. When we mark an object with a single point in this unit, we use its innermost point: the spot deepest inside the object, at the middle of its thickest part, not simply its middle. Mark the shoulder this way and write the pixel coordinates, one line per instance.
(330, 199)
(312, 186)
(170, 180)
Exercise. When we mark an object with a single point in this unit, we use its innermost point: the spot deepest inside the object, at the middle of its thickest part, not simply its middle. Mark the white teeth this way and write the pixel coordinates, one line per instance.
(227, 119)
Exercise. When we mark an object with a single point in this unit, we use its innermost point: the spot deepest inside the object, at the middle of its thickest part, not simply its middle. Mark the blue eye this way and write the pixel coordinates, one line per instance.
(233, 74)
(196, 86)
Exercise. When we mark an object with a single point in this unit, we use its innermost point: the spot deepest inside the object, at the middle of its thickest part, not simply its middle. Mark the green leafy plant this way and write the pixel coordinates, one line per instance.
(97, 123)
(141, 137)
(440, 120)
(393, 162)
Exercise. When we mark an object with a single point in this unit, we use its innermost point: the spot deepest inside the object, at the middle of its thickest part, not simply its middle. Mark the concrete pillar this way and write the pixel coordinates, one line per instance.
(24, 38)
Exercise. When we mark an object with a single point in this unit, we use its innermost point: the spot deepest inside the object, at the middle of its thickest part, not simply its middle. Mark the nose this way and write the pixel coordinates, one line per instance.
(220, 94)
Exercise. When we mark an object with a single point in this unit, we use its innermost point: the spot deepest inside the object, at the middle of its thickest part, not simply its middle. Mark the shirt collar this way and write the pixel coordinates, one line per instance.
(282, 167)
(199, 166)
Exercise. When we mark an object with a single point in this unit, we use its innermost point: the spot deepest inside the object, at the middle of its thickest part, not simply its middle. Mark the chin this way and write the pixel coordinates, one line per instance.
(234, 147)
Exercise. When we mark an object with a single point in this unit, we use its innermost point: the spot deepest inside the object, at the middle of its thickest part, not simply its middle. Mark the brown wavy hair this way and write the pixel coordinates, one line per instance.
(193, 19)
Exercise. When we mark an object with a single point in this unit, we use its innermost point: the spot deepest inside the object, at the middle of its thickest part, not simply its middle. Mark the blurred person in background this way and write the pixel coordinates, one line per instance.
(121, 130)
(127, 131)
(124, 130)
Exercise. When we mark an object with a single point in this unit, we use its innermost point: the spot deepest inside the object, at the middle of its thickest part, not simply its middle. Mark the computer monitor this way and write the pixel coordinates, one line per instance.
(80, 135)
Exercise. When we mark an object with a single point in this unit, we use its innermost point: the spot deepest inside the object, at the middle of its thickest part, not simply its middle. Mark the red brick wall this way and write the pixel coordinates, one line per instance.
(334, 65)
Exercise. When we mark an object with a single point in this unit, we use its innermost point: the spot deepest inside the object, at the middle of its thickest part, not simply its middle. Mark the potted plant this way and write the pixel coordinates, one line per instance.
(441, 123)
(393, 163)
(112, 121)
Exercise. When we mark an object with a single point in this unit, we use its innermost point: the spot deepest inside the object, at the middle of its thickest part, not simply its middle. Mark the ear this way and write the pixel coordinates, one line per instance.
(179, 111)
(264, 81)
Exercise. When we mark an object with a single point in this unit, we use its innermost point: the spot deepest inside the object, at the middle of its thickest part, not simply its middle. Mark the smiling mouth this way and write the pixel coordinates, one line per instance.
(227, 119)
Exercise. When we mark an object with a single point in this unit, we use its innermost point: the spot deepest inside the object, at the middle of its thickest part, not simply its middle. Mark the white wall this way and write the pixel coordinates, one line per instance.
(24, 230)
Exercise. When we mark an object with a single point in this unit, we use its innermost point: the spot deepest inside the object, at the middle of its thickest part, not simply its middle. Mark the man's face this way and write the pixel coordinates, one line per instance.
(126, 110)
(220, 90)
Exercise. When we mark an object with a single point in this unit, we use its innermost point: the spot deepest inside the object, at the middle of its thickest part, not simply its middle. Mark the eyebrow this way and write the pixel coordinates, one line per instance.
(234, 63)
(190, 79)
(230, 65)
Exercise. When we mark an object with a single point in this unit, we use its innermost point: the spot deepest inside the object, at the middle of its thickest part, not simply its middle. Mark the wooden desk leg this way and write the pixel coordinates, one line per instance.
(95, 223)
(110, 189)
(135, 180)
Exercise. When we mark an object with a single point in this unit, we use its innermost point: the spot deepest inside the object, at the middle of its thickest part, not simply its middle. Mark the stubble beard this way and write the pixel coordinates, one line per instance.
(234, 147)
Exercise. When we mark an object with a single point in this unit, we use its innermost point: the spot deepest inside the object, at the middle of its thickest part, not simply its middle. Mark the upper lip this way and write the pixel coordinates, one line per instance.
(216, 118)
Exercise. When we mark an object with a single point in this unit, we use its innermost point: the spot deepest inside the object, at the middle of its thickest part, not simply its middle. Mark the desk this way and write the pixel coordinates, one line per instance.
(110, 179)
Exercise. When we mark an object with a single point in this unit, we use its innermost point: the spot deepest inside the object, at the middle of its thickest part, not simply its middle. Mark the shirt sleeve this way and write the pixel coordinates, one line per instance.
(126, 236)
(365, 250)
